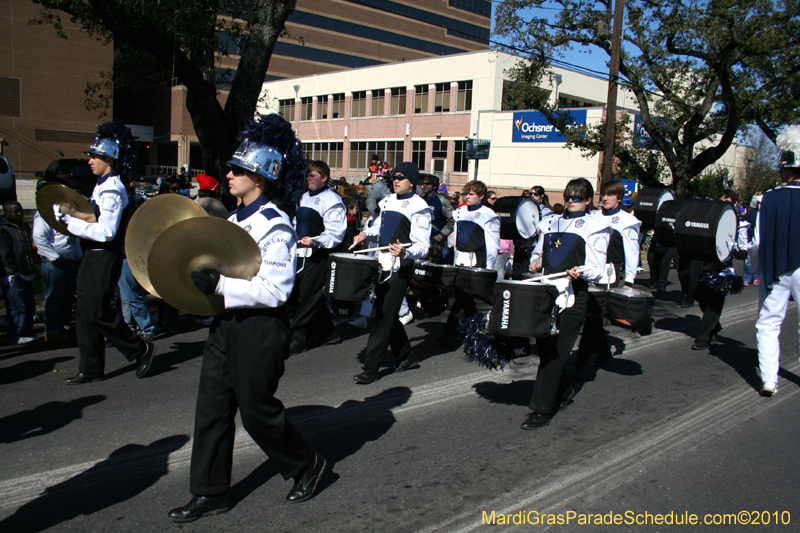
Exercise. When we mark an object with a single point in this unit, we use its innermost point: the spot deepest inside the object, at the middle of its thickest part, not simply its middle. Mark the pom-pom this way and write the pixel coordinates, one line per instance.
(789, 139)
(483, 349)
(725, 282)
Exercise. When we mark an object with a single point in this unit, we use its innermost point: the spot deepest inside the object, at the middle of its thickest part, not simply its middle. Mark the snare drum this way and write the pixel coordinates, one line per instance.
(351, 277)
(706, 230)
(519, 217)
(647, 203)
(429, 274)
(630, 308)
(477, 282)
(523, 309)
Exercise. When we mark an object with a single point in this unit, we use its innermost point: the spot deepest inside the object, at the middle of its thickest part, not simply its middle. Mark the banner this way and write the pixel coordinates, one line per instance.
(533, 127)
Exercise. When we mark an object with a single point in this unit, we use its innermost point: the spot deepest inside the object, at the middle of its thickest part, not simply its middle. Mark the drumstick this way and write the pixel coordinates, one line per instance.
(557, 274)
(406, 245)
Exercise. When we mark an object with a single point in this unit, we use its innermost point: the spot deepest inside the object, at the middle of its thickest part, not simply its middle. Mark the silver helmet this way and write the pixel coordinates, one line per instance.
(104, 146)
(258, 158)
(789, 143)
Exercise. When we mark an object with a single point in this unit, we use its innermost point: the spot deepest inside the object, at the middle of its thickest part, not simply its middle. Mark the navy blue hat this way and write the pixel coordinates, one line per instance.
(409, 170)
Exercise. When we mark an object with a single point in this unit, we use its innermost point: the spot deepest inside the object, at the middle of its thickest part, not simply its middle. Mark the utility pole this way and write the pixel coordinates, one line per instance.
(611, 105)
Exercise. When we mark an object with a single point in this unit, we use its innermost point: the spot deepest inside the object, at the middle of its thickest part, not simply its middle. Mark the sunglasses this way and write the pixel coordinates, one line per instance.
(427, 183)
(237, 171)
(398, 177)
(574, 199)
(493, 198)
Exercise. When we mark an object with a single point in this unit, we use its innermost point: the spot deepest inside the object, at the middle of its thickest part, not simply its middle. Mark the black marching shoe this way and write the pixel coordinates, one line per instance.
(408, 363)
(331, 338)
(700, 345)
(569, 394)
(367, 377)
(200, 506)
(81, 378)
(145, 361)
(536, 421)
(297, 347)
(305, 484)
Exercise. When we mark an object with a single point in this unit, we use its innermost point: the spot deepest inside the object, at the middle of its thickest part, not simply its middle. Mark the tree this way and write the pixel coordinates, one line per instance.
(187, 39)
(763, 173)
(700, 72)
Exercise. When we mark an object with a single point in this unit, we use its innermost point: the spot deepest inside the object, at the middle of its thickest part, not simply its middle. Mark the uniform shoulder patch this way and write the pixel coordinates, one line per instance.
(270, 213)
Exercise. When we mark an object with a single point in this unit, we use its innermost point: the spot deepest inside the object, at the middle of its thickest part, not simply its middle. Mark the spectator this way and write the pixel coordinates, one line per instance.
(558, 209)
(162, 176)
(60, 255)
(491, 198)
(442, 218)
(353, 222)
(16, 250)
(342, 181)
(208, 196)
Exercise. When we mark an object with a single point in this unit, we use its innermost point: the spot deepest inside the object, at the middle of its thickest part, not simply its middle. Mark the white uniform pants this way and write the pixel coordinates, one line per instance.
(771, 313)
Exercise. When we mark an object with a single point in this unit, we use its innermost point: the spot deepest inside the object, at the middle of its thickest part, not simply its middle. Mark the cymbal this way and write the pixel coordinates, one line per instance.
(147, 223)
(57, 194)
(195, 244)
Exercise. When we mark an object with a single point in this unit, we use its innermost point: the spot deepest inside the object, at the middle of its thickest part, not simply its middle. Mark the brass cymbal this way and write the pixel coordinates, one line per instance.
(57, 194)
(195, 244)
(147, 223)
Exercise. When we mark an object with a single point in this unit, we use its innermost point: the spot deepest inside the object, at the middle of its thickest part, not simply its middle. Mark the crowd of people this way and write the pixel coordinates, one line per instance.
(289, 208)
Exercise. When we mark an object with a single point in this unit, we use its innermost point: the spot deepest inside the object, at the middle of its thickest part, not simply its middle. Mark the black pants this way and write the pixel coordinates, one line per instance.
(554, 351)
(242, 364)
(95, 316)
(689, 275)
(660, 266)
(463, 302)
(311, 318)
(388, 330)
(593, 336)
(711, 303)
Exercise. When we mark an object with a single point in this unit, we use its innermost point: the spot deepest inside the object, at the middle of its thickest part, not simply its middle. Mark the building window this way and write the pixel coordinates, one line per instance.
(305, 108)
(576, 103)
(441, 103)
(9, 97)
(391, 152)
(439, 150)
(464, 99)
(330, 153)
(562, 102)
(398, 104)
(460, 161)
(286, 109)
(359, 106)
(337, 110)
(322, 107)
(378, 99)
(418, 153)
(420, 99)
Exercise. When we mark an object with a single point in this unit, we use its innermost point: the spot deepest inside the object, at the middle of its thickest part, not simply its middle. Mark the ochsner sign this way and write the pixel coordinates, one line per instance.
(533, 127)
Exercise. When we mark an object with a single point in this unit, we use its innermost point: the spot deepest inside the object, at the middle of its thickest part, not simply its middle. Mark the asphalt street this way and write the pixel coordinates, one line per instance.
(660, 429)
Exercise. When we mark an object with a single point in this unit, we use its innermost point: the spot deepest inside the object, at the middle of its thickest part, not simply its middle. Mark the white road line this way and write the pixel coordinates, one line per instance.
(17, 491)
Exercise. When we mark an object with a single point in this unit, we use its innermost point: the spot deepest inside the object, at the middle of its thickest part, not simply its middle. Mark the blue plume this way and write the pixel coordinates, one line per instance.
(725, 282)
(480, 348)
(118, 131)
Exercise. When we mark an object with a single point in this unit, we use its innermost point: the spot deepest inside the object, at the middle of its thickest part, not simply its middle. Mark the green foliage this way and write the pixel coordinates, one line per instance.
(700, 70)
(710, 184)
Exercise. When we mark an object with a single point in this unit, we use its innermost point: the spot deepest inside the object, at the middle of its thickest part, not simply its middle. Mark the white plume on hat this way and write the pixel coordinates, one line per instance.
(789, 139)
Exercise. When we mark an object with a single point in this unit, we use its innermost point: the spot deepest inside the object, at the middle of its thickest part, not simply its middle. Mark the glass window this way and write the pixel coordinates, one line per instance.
(441, 103)
(418, 153)
(420, 99)
(337, 110)
(378, 99)
(330, 153)
(464, 99)
(359, 106)
(460, 161)
(398, 104)
(391, 152)
(286, 109)
(439, 150)
(322, 107)
(305, 108)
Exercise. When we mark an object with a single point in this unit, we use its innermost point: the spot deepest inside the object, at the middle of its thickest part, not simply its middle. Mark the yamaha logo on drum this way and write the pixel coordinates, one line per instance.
(701, 225)
(506, 295)
(333, 277)
(506, 310)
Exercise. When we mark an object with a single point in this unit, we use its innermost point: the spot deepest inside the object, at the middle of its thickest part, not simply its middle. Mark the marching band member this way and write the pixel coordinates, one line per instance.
(623, 254)
(320, 224)
(243, 359)
(775, 249)
(477, 243)
(113, 151)
(404, 218)
(567, 242)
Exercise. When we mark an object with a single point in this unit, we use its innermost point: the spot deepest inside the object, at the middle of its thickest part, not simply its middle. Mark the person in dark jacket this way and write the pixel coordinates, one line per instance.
(16, 250)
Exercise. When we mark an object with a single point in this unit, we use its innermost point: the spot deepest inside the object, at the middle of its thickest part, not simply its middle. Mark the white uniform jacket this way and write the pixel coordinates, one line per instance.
(624, 244)
(581, 240)
(406, 218)
(272, 230)
(110, 198)
(477, 231)
(53, 245)
(321, 213)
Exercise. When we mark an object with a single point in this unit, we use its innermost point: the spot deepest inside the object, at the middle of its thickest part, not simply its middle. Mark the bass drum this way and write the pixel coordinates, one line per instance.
(647, 204)
(519, 217)
(523, 309)
(706, 230)
(665, 222)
